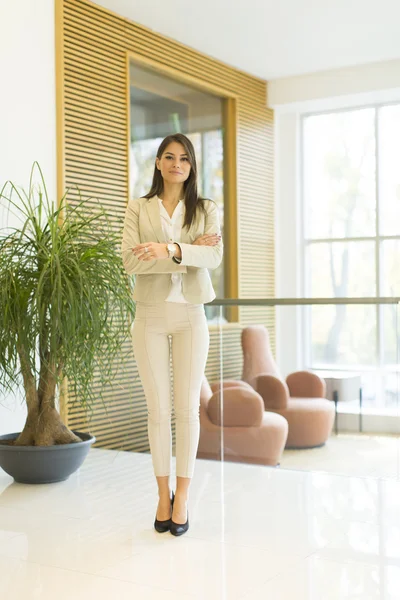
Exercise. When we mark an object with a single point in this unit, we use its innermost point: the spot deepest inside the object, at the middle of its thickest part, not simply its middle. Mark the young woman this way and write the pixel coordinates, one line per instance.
(171, 237)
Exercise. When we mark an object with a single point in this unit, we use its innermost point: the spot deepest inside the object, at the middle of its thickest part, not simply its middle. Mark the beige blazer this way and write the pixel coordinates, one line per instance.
(153, 278)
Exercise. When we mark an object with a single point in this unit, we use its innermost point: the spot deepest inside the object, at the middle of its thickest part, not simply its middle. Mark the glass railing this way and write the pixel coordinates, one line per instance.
(309, 384)
(298, 454)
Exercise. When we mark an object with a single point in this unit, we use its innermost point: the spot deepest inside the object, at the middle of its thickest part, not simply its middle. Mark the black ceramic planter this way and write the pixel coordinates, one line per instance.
(43, 464)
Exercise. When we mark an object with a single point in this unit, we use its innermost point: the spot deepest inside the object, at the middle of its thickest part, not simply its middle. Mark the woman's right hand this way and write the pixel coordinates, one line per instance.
(207, 240)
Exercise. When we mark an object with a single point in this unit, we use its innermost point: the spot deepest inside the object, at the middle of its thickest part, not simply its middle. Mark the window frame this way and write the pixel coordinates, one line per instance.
(378, 239)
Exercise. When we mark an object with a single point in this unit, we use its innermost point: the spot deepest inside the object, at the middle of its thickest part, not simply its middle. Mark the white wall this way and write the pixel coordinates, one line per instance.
(377, 82)
(27, 116)
(291, 98)
(288, 240)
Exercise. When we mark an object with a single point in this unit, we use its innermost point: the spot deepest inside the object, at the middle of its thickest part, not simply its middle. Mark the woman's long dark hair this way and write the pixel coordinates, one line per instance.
(192, 199)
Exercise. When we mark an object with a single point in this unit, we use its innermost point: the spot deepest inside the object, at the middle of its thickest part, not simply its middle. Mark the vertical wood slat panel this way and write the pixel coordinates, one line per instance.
(93, 129)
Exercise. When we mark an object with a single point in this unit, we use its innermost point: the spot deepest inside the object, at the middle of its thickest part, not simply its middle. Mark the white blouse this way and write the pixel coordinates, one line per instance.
(172, 228)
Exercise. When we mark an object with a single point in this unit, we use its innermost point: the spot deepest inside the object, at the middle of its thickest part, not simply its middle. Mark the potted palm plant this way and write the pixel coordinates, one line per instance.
(65, 310)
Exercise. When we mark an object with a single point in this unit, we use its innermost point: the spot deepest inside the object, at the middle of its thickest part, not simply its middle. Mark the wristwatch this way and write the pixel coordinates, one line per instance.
(171, 250)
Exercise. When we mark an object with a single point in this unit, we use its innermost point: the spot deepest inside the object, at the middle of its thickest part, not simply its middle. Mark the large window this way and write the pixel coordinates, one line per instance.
(160, 106)
(351, 193)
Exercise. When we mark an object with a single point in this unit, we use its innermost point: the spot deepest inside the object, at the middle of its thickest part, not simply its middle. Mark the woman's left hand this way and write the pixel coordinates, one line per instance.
(154, 251)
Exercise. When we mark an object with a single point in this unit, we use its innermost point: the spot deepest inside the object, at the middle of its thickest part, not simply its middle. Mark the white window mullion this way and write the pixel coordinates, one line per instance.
(306, 311)
(342, 239)
(379, 308)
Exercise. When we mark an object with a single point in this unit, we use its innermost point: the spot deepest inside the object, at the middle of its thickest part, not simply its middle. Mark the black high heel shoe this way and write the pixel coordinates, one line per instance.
(179, 528)
(163, 526)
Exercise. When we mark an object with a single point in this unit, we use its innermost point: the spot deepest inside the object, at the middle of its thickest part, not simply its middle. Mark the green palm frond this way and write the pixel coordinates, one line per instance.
(65, 298)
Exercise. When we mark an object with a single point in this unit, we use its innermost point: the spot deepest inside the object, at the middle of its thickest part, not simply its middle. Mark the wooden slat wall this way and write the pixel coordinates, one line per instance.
(256, 209)
(93, 146)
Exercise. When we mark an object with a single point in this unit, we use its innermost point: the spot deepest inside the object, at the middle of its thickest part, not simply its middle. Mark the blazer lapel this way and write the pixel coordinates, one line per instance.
(185, 233)
(185, 236)
(153, 211)
(194, 231)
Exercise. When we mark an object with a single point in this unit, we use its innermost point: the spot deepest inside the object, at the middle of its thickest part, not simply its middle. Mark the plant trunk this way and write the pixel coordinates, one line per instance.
(44, 427)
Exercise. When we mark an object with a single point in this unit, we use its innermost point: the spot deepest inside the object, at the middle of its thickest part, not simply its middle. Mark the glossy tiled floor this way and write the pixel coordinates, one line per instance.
(255, 533)
(350, 454)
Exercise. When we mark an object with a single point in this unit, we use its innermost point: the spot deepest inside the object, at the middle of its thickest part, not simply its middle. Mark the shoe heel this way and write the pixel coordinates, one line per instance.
(163, 526)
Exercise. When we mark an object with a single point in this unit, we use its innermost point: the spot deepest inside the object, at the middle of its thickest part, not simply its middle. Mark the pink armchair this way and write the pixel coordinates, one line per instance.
(300, 399)
(247, 432)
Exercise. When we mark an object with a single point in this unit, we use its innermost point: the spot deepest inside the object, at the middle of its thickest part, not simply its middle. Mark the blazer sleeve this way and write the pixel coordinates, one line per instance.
(131, 238)
(208, 257)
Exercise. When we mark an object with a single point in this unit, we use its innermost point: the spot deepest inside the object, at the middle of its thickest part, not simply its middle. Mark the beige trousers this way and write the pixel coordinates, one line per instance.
(185, 325)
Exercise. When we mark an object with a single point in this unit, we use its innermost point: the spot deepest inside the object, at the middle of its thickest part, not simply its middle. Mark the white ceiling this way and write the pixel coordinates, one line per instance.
(276, 38)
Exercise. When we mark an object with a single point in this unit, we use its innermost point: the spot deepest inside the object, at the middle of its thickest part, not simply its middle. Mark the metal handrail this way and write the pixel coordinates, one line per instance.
(300, 301)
